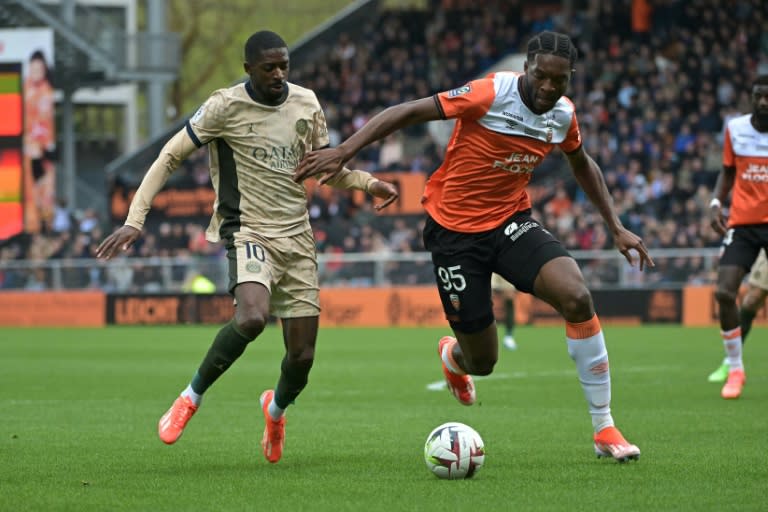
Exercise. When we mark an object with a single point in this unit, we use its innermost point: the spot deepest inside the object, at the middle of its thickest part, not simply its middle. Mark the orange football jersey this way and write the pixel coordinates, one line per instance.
(746, 149)
(496, 144)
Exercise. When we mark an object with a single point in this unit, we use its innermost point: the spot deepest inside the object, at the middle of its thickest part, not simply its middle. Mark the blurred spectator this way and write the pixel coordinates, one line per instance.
(89, 221)
(62, 218)
(652, 109)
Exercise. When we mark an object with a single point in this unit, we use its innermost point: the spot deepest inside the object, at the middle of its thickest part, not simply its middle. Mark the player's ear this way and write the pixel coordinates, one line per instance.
(247, 68)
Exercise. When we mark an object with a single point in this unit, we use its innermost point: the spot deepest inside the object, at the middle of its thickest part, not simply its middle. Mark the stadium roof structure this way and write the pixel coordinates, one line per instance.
(313, 45)
(93, 49)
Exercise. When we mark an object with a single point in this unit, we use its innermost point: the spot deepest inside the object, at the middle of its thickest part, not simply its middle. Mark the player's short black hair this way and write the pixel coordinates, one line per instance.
(760, 80)
(552, 43)
(261, 41)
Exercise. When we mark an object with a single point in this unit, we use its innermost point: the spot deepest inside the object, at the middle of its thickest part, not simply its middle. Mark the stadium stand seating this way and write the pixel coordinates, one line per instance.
(651, 101)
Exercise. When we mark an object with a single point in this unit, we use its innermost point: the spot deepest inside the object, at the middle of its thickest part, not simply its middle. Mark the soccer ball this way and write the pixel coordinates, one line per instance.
(454, 451)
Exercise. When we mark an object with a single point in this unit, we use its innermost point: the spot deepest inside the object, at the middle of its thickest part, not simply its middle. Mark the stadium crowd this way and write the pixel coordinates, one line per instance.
(654, 84)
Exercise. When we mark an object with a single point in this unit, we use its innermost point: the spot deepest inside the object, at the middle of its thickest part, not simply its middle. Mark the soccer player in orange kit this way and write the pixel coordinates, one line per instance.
(479, 217)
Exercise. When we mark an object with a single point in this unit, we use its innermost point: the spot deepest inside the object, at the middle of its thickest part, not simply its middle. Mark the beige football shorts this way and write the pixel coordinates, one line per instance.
(286, 266)
(758, 276)
(499, 284)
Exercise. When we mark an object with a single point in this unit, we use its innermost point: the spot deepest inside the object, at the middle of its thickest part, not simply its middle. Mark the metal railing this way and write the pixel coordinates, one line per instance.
(602, 270)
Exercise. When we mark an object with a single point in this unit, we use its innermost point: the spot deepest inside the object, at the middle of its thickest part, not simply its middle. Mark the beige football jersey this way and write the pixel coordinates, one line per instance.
(254, 150)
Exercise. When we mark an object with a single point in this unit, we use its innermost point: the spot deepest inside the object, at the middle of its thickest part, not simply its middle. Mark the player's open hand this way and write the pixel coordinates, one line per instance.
(121, 240)
(323, 161)
(718, 220)
(383, 190)
(630, 244)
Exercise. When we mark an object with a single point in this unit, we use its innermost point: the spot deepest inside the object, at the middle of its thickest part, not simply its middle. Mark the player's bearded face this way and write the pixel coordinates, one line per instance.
(547, 78)
(268, 74)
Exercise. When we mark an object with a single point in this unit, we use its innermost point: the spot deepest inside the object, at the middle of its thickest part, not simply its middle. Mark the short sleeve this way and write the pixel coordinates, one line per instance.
(470, 101)
(209, 120)
(572, 140)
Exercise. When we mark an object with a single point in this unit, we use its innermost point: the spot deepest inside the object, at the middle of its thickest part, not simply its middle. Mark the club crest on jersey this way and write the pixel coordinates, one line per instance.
(459, 91)
(455, 302)
(302, 127)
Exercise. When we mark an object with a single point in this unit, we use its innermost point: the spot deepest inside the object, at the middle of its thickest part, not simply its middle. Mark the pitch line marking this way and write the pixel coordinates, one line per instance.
(440, 384)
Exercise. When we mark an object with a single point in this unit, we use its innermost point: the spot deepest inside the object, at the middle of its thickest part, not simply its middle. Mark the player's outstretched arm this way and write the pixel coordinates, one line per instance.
(175, 150)
(590, 179)
(329, 162)
(362, 180)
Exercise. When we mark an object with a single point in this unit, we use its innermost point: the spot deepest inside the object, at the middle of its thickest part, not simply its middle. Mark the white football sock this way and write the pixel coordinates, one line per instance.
(591, 359)
(190, 393)
(732, 344)
(274, 410)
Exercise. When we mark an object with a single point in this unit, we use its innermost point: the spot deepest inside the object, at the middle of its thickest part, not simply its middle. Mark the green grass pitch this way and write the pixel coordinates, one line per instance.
(79, 409)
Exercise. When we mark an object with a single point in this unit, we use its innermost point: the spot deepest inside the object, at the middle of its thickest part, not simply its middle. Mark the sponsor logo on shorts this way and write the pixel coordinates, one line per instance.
(455, 302)
(253, 266)
(515, 230)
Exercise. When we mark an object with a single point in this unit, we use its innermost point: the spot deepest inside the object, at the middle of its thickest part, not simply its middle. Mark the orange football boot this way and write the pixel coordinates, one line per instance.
(172, 423)
(610, 443)
(274, 430)
(733, 386)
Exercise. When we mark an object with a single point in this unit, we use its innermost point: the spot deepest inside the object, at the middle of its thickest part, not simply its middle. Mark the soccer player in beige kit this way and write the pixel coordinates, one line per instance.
(257, 133)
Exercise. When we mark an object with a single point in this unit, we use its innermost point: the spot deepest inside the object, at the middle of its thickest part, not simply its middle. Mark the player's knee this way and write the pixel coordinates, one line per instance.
(473, 326)
(251, 323)
(304, 356)
(723, 295)
(577, 304)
